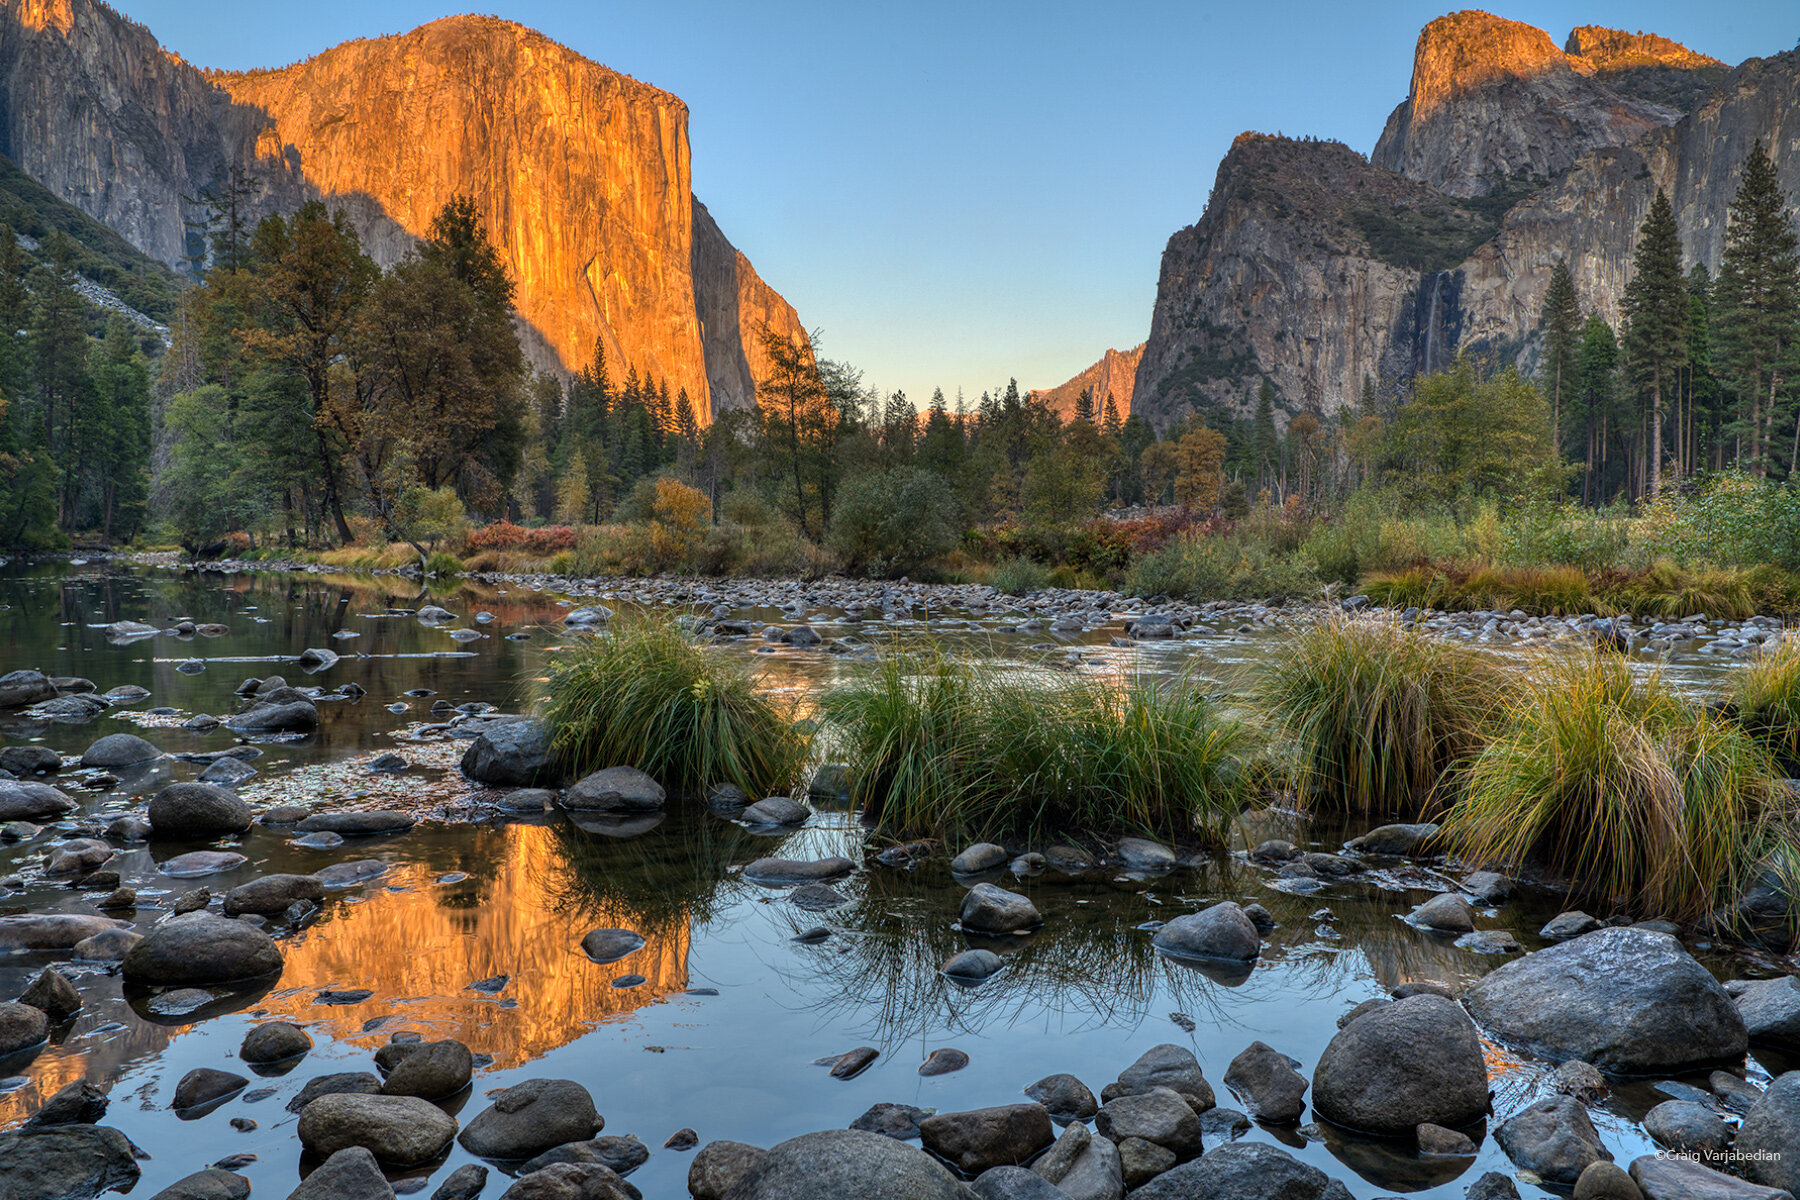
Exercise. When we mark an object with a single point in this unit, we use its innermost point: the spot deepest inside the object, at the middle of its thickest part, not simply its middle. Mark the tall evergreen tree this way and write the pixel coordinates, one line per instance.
(1265, 446)
(1561, 324)
(1757, 301)
(1656, 310)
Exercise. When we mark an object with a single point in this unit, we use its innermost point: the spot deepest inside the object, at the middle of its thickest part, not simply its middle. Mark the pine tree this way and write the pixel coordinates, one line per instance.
(1757, 301)
(1598, 359)
(116, 445)
(1110, 422)
(1561, 323)
(1656, 309)
(1265, 448)
(1084, 406)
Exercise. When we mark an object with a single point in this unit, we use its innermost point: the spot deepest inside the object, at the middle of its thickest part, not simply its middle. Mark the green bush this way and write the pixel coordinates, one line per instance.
(1373, 715)
(1200, 566)
(1616, 784)
(888, 523)
(1021, 576)
(646, 695)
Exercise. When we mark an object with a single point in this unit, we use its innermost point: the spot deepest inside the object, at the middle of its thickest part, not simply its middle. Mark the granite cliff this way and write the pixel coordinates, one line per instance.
(581, 173)
(1317, 268)
(1115, 375)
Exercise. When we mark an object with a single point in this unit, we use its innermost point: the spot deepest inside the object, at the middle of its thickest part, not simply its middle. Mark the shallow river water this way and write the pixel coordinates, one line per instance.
(722, 1032)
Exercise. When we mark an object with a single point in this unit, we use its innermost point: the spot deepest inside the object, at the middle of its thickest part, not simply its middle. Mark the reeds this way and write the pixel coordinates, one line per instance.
(1765, 696)
(942, 745)
(1372, 715)
(646, 695)
(1627, 791)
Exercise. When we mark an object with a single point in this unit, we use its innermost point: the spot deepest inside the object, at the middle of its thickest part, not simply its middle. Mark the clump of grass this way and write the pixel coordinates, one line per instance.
(948, 745)
(646, 695)
(1411, 587)
(1618, 785)
(1375, 714)
(1557, 591)
(1021, 575)
(1667, 590)
(1765, 696)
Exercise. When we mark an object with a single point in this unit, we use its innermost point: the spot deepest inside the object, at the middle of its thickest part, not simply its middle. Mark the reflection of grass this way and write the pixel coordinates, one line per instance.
(648, 696)
(945, 743)
(666, 877)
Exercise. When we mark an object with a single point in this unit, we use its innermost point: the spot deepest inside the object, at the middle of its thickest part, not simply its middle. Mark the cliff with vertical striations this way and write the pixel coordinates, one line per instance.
(581, 174)
(1114, 375)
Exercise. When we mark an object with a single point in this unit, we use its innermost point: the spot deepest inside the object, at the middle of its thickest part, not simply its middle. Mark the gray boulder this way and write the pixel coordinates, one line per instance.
(197, 810)
(119, 750)
(1394, 840)
(24, 800)
(359, 1082)
(847, 1163)
(1244, 1171)
(511, 754)
(1165, 1066)
(616, 789)
(990, 909)
(30, 760)
(1095, 1174)
(273, 894)
(1267, 1084)
(22, 1027)
(982, 856)
(777, 872)
(464, 1183)
(1630, 1001)
(1408, 1063)
(380, 822)
(1221, 931)
(1015, 1183)
(620, 1154)
(776, 811)
(22, 689)
(1688, 1127)
(1771, 1012)
(274, 1041)
(227, 772)
(210, 1184)
(198, 949)
(1553, 1139)
(51, 931)
(1447, 913)
(977, 1139)
(1065, 1097)
(1566, 925)
(204, 1085)
(293, 716)
(530, 1118)
(1159, 1116)
(718, 1166)
(1661, 1178)
(571, 1181)
(1768, 1140)
(611, 945)
(65, 1162)
(403, 1130)
(432, 1071)
(350, 1174)
(52, 992)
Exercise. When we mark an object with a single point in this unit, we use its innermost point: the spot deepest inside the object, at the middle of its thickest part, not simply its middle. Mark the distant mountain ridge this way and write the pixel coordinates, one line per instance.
(581, 174)
(1114, 375)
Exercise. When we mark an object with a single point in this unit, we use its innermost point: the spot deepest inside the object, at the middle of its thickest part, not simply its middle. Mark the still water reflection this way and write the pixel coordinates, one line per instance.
(721, 1031)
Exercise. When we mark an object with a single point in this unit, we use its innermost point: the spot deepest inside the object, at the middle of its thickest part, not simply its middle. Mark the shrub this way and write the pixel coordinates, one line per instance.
(1734, 519)
(948, 745)
(1621, 787)
(1374, 714)
(646, 695)
(1199, 567)
(889, 523)
(1667, 590)
(1021, 576)
(505, 536)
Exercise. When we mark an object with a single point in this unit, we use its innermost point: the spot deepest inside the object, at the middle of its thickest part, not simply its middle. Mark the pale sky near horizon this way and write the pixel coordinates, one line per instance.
(958, 193)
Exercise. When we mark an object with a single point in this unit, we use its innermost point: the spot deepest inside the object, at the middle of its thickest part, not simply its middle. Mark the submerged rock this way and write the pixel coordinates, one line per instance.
(1408, 1063)
(990, 909)
(1221, 931)
(846, 1163)
(198, 949)
(403, 1130)
(119, 750)
(616, 789)
(197, 810)
(530, 1118)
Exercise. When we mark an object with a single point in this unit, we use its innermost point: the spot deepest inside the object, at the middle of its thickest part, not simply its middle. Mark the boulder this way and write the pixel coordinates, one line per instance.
(432, 1071)
(24, 800)
(119, 750)
(718, 1166)
(990, 909)
(196, 863)
(355, 1082)
(30, 760)
(611, 945)
(381, 822)
(571, 1181)
(206, 1085)
(1447, 913)
(891, 1120)
(778, 872)
(1661, 1178)
(982, 856)
(1630, 1001)
(464, 1183)
(619, 1154)
(776, 811)
(198, 949)
(273, 894)
(22, 1027)
(227, 772)
(1095, 1174)
(1221, 931)
(972, 966)
(1065, 1097)
(510, 754)
(197, 810)
(65, 1162)
(1566, 925)
(1267, 1084)
(51, 931)
(975, 1140)
(1771, 1012)
(616, 789)
(1487, 887)
(1159, 1116)
(274, 1041)
(1244, 1171)
(350, 1174)
(210, 1184)
(292, 716)
(77, 855)
(847, 1163)
(1553, 1139)
(1141, 854)
(1015, 1183)
(1167, 1065)
(52, 992)
(1400, 840)
(1414, 1061)
(1768, 1139)
(109, 945)
(1689, 1128)
(530, 1118)
(22, 689)
(403, 1130)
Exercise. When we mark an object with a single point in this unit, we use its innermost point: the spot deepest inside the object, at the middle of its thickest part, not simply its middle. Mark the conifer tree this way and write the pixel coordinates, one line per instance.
(1561, 323)
(1656, 310)
(1757, 297)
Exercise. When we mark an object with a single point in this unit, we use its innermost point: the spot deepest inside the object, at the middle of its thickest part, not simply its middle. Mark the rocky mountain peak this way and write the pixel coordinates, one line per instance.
(1463, 51)
(1616, 50)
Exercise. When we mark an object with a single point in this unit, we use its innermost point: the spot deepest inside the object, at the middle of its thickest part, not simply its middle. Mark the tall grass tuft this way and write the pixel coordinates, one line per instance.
(1374, 714)
(646, 695)
(1620, 786)
(1765, 696)
(945, 745)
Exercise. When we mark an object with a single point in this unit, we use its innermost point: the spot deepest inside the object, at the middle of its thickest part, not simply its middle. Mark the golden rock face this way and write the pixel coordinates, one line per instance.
(1115, 374)
(581, 174)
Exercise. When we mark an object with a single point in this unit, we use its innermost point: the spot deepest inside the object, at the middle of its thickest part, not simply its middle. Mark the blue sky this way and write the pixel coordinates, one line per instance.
(956, 193)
